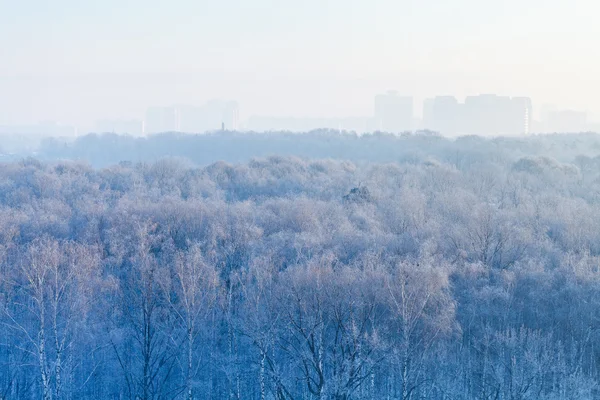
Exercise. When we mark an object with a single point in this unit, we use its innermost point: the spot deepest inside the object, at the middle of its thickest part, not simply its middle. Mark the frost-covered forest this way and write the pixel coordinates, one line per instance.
(376, 267)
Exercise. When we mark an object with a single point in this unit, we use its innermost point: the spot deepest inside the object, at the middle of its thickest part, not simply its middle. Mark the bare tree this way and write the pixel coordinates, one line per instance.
(330, 336)
(145, 356)
(52, 288)
(422, 311)
(191, 294)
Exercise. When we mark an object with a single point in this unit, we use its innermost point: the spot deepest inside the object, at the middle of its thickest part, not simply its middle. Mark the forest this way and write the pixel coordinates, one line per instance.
(374, 267)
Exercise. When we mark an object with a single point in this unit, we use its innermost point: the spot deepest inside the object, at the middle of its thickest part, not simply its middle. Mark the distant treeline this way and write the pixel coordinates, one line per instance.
(102, 150)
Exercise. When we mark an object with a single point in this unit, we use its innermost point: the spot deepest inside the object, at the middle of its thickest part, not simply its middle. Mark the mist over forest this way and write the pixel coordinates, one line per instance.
(314, 266)
(103, 150)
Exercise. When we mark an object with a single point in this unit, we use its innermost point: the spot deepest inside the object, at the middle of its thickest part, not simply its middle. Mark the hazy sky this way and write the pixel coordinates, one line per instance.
(81, 60)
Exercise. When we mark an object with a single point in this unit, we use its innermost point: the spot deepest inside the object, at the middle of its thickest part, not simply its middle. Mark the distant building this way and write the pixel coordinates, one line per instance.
(567, 121)
(486, 114)
(448, 115)
(523, 115)
(130, 127)
(394, 113)
(193, 119)
(442, 114)
(162, 119)
(561, 121)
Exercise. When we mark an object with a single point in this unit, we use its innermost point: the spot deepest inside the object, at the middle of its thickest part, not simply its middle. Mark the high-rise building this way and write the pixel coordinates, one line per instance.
(394, 113)
(445, 115)
(162, 119)
(486, 114)
(522, 110)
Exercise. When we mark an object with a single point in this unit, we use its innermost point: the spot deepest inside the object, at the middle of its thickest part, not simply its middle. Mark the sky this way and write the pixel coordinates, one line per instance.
(75, 61)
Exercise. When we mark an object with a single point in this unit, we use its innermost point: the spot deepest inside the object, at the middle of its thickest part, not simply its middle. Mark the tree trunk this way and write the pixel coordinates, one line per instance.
(263, 395)
(190, 362)
(46, 390)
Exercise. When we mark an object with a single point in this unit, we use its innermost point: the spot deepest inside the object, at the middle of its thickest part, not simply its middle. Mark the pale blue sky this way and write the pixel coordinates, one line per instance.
(78, 61)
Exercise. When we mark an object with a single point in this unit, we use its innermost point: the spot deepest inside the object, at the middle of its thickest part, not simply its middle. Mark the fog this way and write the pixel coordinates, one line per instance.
(76, 63)
(201, 150)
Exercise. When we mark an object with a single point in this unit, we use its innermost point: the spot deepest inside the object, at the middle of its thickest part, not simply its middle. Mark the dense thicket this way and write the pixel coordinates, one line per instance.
(452, 276)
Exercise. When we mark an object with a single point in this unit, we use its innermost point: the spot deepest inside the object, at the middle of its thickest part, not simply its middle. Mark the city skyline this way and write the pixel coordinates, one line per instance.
(137, 111)
(79, 62)
(391, 111)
